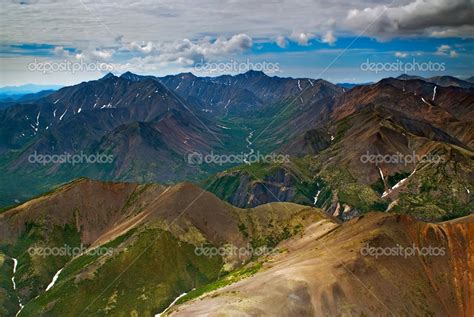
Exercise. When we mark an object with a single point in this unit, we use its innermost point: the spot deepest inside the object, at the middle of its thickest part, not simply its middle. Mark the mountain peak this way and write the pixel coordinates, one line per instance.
(130, 76)
(409, 77)
(187, 75)
(254, 73)
(109, 75)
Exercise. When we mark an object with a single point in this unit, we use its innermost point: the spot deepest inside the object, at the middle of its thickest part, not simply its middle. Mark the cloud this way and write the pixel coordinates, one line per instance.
(238, 42)
(445, 50)
(281, 41)
(464, 31)
(61, 52)
(153, 56)
(89, 54)
(142, 48)
(401, 54)
(65, 53)
(186, 52)
(329, 38)
(103, 55)
(102, 23)
(206, 48)
(302, 38)
(416, 17)
(170, 32)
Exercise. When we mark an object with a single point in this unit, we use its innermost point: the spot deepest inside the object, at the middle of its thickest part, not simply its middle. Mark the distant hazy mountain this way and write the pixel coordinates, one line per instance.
(9, 95)
(26, 89)
(11, 100)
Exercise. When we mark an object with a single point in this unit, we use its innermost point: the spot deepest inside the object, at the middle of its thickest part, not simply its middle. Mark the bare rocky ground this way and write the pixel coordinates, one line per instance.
(323, 273)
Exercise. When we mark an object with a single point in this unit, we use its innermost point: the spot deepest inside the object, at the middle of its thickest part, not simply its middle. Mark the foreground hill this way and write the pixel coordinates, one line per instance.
(327, 272)
(143, 246)
(149, 235)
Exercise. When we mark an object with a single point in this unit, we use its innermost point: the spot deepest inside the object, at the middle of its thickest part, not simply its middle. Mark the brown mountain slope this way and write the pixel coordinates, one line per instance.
(323, 272)
(88, 205)
(443, 107)
(168, 222)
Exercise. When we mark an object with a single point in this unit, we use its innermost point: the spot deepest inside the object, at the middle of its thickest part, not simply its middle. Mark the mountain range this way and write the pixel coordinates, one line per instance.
(386, 165)
(150, 126)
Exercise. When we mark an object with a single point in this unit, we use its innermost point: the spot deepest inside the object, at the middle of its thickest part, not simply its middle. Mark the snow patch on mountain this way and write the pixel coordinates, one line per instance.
(55, 278)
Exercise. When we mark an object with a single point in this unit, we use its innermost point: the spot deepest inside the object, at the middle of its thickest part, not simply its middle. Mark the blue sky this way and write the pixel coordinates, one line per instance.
(82, 40)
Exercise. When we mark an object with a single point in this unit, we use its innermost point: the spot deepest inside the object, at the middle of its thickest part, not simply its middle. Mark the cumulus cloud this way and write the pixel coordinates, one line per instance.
(301, 38)
(88, 53)
(281, 41)
(329, 38)
(103, 55)
(443, 50)
(146, 48)
(152, 56)
(416, 17)
(446, 50)
(61, 52)
(186, 52)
